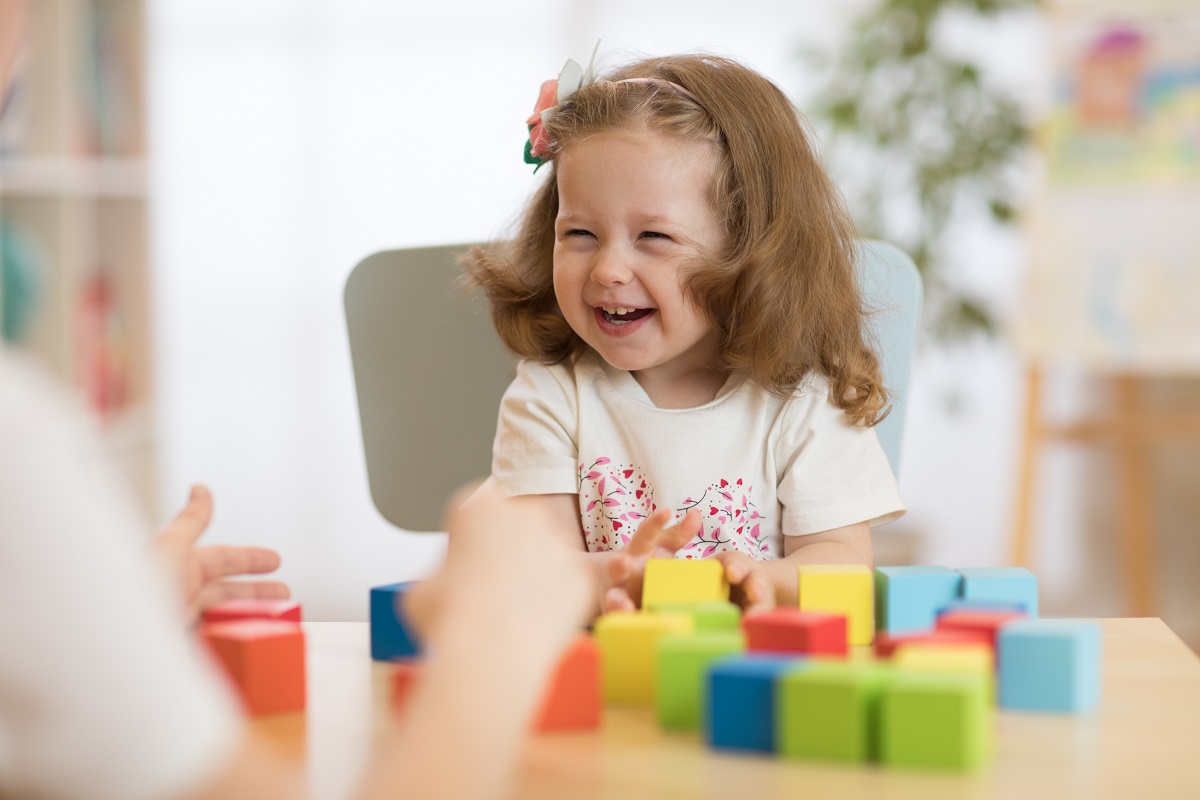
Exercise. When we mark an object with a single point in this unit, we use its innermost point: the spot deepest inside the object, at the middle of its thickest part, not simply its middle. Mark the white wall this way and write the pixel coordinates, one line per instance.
(292, 138)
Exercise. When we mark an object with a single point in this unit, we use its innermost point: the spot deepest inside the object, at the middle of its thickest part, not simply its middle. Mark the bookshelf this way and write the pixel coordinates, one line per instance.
(74, 213)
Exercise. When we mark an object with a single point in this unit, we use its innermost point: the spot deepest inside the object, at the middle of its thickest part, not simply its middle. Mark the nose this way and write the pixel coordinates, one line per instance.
(610, 268)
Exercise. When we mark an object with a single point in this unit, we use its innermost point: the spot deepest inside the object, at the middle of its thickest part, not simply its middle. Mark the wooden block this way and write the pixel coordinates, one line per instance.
(741, 700)
(265, 661)
(391, 636)
(628, 642)
(935, 720)
(790, 630)
(841, 589)
(987, 623)
(980, 605)
(1050, 665)
(678, 580)
(573, 696)
(1002, 584)
(715, 615)
(405, 675)
(683, 661)
(971, 658)
(886, 644)
(828, 711)
(285, 610)
(907, 599)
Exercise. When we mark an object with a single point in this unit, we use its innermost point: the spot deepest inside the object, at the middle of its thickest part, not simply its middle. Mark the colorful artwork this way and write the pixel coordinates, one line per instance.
(1115, 273)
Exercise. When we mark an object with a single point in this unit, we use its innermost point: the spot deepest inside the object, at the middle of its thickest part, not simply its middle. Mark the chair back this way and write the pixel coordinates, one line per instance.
(429, 370)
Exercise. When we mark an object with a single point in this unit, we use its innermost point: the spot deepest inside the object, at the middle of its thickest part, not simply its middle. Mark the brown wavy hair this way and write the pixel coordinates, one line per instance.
(782, 297)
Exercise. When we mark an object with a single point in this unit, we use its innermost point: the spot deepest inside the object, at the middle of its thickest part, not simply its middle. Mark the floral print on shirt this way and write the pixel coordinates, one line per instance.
(615, 498)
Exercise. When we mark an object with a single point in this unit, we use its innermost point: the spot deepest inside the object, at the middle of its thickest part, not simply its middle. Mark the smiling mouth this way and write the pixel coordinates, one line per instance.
(622, 315)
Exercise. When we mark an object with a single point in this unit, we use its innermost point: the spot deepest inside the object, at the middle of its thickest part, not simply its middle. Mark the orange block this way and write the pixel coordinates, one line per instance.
(574, 694)
(288, 610)
(404, 677)
(265, 661)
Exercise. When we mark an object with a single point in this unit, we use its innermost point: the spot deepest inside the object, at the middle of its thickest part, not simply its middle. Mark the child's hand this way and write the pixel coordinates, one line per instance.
(651, 540)
(200, 570)
(749, 585)
(508, 573)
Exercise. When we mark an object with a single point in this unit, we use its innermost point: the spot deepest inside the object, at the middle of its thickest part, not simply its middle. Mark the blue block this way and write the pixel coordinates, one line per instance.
(391, 636)
(907, 599)
(1002, 584)
(741, 701)
(1050, 665)
(982, 605)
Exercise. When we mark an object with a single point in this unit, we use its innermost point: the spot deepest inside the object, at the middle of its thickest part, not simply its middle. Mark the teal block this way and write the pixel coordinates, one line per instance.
(1050, 665)
(935, 720)
(907, 599)
(683, 662)
(828, 711)
(740, 708)
(392, 636)
(1002, 584)
(982, 605)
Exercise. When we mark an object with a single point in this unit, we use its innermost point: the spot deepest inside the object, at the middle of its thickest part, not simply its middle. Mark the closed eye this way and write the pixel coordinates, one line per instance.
(654, 235)
(576, 232)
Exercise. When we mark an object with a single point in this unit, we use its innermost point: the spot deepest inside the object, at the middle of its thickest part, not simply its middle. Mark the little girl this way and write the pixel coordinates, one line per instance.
(682, 291)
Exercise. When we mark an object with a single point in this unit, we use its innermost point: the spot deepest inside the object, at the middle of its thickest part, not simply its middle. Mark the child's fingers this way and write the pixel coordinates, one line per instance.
(647, 535)
(220, 561)
(220, 591)
(759, 593)
(619, 569)
(680, 534)
(617, 599)
(192, 521)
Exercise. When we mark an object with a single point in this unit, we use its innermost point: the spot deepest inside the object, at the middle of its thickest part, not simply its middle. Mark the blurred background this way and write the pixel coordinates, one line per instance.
(184, 188)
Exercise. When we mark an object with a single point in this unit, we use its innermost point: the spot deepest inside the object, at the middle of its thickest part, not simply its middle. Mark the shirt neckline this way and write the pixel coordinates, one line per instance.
(624, 384)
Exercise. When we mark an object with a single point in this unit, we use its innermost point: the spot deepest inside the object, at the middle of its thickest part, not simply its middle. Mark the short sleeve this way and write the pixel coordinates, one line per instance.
(537, 433)
(102, 693)
(832, 473)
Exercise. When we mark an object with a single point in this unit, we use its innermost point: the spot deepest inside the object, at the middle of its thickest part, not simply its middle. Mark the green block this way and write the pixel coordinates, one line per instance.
(936, 721)
(683, 661)
(829, 710)
(709, 616)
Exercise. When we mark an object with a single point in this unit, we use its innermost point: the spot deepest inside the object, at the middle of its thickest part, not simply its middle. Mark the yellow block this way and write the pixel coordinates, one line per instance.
(928, 657)
(628, 642)
(841, 589)
(680, 580)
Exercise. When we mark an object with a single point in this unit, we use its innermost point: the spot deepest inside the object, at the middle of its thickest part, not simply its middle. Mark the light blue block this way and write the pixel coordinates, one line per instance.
(982, 605)
(741, 701)
(907, 599)
(1002, 584)
(391, 636)
(1050, 665)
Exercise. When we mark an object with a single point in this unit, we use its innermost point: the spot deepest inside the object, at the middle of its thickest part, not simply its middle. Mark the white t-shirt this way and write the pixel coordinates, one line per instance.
(102, 692)
(757, 467)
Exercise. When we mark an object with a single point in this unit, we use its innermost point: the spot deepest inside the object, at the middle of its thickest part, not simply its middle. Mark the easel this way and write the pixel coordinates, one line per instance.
(1131, 429)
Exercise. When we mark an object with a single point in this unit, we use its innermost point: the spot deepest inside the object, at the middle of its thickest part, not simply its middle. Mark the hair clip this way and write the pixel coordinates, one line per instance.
(552, 95)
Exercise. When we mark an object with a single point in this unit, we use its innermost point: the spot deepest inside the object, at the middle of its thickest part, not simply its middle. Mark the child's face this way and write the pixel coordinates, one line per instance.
(633, 210)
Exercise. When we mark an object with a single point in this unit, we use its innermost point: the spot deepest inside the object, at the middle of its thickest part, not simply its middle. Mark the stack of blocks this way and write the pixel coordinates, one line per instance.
(259, 645)
(948, 646)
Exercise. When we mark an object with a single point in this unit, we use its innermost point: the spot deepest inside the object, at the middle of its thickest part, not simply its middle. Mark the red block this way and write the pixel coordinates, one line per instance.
(790, 630)
(574, 696)
(885, 645)
(405, 675)
(987, 623)
(265, 661)
(288, 610)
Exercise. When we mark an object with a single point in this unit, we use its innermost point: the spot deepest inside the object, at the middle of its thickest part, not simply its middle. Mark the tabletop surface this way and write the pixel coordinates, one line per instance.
(1142, 742)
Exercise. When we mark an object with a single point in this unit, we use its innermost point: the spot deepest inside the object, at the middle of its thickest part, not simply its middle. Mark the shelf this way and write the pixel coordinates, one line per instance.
(77, 177)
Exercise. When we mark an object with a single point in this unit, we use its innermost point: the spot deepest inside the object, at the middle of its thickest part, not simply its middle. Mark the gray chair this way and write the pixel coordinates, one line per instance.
(430, 371)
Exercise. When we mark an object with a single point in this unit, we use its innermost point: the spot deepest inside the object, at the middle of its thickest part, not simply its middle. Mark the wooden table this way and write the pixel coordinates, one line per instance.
(1143, 742)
